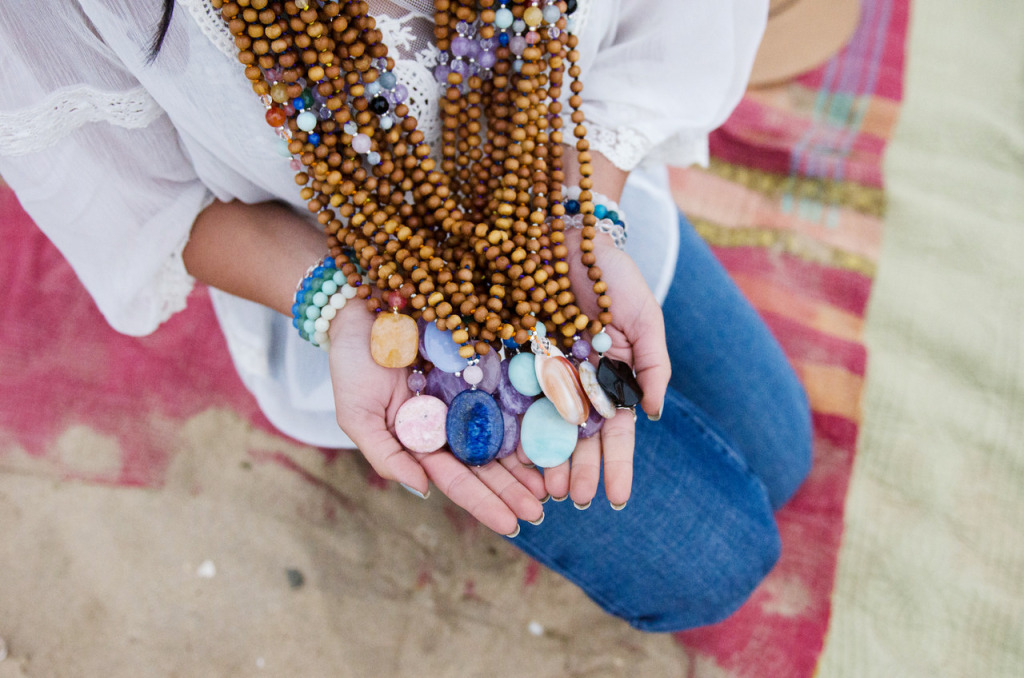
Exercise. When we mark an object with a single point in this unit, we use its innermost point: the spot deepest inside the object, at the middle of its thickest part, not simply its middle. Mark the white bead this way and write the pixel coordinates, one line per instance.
(320, 337)
(306, 121)
(322, 324)
(337, 301)
(601, 342)
(348, 291)
(473, 375)
(328, 312)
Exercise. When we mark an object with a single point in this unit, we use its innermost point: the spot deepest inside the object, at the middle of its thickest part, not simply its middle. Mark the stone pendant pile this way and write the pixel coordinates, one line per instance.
(462, 253)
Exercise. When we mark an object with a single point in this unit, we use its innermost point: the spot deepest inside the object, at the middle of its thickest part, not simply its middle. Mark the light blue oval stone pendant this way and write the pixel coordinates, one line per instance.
(475, 427)
(522, 372)
(547, 438)
(441, 350)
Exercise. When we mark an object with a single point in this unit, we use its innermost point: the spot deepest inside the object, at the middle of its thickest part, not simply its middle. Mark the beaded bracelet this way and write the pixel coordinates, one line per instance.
(610, 218)
(318, 298)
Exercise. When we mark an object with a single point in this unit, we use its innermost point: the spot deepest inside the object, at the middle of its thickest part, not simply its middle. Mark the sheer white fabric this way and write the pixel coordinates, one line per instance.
(114, 157)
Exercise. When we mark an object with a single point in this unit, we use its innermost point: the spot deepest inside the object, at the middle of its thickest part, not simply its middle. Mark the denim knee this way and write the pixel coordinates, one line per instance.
(696, 538)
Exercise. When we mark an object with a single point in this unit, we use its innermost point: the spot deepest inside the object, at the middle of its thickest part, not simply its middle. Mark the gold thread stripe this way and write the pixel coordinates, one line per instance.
(863, 199)
(784, 241)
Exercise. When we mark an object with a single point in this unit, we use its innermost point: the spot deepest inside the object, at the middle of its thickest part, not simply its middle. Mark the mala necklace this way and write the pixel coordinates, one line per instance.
(457, 256)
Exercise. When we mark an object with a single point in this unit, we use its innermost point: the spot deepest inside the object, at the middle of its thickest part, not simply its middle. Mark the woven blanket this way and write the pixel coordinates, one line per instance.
(147, 505)
(792, 205)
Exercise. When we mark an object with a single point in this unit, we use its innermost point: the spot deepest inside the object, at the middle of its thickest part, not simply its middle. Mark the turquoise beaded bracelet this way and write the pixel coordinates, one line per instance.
(610, 218)
(320, 295)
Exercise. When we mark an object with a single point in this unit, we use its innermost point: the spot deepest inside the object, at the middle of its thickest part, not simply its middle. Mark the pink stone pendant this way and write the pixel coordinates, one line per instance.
(420, 424)
(560, 382)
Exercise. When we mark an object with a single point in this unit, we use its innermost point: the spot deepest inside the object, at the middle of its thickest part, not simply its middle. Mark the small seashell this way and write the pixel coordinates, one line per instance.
(598, 398)
(560, 383)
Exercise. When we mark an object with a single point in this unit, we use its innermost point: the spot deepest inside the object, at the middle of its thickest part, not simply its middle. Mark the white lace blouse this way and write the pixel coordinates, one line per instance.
(114, 157)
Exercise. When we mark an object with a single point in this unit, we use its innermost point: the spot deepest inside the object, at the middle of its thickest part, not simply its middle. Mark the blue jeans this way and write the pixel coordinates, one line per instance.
(733, 443)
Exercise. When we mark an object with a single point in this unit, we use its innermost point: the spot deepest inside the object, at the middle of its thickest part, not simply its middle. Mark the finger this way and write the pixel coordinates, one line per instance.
(618, 436)
(523, 459)
(585, 471)
(529, 476)
(556, 480)
(385, 454)
(464, 488)
(650, 356)
(515, 495)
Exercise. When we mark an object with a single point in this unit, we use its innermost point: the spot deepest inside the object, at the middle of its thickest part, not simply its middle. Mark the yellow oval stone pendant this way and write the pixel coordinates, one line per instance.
(394, 340)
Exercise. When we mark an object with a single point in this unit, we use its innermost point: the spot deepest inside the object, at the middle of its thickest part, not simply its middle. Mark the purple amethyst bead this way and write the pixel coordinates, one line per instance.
(401, 92)
(487, 59)
(490, 365)
(417, 382)
(509, 399)
(441, 73)
(517, 44)
(511, 440)
(581, 349)
(444, 385)
(593, 424)
(461, 46)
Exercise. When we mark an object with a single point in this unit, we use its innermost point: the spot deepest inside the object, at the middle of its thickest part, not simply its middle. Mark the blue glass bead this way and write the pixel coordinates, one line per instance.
(572, 206)
(442, 350)
(329, 263)
(510, 343)
(503, 39)
(547, 439)
(313, 138)
(522, 372)
(295, 309)
(388, 80)
(613, 216)
(307, 283)
(317, 272)
(295, 323)
(475, 428)
(600, 211)
(298, 104)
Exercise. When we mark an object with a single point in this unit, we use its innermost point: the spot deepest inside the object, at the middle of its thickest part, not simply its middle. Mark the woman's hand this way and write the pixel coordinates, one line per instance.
(368, 396)
(638, 338)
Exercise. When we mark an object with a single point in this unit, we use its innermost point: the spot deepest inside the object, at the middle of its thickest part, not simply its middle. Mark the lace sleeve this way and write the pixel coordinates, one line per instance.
(659, 76)
(96, 162)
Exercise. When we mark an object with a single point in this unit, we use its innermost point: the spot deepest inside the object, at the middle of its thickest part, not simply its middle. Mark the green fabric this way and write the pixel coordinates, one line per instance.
(931, 572)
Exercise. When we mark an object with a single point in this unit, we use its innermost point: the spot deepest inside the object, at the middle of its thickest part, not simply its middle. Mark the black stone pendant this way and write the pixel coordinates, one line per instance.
(379, 105)
(619, 382)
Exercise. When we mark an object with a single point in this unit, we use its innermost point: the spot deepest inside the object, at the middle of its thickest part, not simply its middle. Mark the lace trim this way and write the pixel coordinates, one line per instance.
(212, 25)
(43, 124)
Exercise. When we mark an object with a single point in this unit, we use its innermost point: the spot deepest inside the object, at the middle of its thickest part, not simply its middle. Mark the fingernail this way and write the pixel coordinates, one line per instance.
(657, 417)
(529, 465)
(582, 507)
(560, 498)
(618, 507)
(514, 533)
(538, 521)
(545, 499)
(415, 493)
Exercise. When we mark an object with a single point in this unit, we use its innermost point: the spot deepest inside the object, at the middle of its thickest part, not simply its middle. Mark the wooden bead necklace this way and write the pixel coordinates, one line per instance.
(473, 241)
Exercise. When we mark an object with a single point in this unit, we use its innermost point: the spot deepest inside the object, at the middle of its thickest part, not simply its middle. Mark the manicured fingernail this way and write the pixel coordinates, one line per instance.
(538, 521)
(415, 493)
(529, 465)
(560, 498)
(657, 417)
(514, 533)
(582, 507)
(545, 499)
(618, 507)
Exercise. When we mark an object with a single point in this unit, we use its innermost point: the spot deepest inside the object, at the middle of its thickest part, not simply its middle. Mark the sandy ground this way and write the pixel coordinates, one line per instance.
(193, 579)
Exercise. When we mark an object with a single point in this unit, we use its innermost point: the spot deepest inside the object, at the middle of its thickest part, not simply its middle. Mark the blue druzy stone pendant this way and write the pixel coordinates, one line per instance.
(475, 427)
